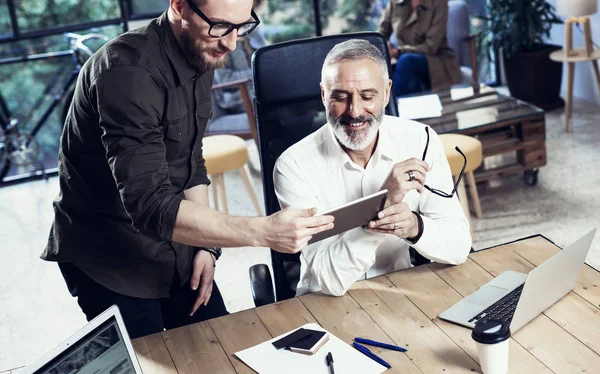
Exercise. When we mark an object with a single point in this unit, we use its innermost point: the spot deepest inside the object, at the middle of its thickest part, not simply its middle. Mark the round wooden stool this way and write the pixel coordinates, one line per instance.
(224, 153)
(472, 149)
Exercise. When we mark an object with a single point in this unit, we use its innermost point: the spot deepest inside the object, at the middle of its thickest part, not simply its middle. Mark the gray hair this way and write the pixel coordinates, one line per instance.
(355, 49)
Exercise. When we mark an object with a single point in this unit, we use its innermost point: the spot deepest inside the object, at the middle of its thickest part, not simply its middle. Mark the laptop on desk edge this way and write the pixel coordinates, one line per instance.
(101, 346)
(518, 298)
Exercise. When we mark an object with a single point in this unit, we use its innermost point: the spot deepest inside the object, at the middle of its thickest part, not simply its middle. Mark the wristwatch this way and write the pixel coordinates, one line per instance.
(214, 251)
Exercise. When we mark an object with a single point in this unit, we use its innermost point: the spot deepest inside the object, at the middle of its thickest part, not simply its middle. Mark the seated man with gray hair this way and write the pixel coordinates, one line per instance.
(359, 151)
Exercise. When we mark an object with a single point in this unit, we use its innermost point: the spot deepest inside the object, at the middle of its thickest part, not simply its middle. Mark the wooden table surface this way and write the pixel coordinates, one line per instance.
(402, 308)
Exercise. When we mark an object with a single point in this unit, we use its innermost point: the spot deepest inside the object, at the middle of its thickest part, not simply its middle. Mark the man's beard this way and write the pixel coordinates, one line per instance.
(356, 140)
(196, 54)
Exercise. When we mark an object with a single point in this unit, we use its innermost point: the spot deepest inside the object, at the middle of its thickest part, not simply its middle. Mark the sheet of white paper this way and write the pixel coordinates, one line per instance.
(417, 107)
(265, 359)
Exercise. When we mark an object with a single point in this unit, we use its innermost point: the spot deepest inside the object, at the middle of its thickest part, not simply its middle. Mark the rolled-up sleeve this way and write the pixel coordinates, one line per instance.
(130, 107)
(201, 174)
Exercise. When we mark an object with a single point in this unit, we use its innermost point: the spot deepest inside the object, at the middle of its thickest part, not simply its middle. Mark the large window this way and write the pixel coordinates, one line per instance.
(4, 19)
(30, 86)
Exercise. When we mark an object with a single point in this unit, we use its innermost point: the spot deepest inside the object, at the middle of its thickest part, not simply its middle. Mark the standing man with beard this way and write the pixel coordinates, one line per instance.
(358, 152)
(132, 225)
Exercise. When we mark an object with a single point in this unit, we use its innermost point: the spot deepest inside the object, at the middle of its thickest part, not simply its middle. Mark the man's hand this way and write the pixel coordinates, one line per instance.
(398, 181)
(289, 230)
(398, 220)
(203, 273)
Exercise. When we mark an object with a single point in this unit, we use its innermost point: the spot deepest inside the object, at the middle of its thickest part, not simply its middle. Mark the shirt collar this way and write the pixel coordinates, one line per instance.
(337, 157)
(182, 67)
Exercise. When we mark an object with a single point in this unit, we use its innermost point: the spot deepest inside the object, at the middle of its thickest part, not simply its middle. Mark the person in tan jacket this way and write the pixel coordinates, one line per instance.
(424, 59)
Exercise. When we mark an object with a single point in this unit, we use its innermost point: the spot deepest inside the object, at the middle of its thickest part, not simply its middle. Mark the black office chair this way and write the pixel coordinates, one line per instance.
(288, 107)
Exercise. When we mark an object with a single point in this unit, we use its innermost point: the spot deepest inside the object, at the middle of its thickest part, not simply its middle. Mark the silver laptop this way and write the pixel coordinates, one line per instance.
(101, 346)
(518, 298)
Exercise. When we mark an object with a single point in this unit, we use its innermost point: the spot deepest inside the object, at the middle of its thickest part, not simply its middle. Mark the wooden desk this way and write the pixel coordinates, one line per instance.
(402, 308)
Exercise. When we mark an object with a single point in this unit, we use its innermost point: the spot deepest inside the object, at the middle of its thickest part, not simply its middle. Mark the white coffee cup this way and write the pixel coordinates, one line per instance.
(491, 338)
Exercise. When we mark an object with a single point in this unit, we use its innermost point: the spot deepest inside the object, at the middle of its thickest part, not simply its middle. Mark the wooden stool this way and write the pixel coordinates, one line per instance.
(472, 149)
(224, 153)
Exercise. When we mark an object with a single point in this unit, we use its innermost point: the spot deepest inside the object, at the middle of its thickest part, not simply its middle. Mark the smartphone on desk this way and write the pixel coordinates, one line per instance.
(354, 214)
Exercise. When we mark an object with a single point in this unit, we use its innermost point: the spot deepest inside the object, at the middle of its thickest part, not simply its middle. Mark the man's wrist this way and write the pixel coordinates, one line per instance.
(418, 228)
(256, 231)
(215, 252)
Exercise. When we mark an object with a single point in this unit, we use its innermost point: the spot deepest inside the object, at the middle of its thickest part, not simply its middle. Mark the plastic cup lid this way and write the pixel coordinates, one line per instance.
(490, 331)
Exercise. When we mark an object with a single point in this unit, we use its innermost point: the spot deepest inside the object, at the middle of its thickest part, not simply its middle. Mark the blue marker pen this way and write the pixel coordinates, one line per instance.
(370, 354)
(380, 344)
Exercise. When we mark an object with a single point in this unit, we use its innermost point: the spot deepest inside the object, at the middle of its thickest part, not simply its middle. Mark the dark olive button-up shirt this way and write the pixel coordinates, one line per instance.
(131, 145)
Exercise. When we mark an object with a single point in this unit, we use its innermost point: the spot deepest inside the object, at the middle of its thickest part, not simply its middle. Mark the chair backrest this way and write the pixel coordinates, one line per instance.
(288, 108)
(458, 30)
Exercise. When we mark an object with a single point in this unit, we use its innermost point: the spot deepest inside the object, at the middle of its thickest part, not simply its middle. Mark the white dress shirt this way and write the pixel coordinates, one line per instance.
(317, 172)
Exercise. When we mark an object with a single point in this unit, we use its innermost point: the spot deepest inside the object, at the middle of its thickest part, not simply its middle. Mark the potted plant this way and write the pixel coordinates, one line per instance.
(517, 28)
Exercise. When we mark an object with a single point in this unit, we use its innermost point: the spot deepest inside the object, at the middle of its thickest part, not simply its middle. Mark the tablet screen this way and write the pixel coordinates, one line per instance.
(353, 214)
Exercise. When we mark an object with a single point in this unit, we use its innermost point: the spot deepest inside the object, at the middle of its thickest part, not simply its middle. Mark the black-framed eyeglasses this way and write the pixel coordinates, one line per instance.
(439, 192)
(220, 29)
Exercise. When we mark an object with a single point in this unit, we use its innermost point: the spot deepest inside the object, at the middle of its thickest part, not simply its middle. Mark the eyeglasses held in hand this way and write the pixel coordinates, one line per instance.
(434, 190)
(220, 29)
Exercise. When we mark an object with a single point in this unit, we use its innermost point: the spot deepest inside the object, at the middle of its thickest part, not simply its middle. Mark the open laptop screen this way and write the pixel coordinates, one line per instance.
(103, 350)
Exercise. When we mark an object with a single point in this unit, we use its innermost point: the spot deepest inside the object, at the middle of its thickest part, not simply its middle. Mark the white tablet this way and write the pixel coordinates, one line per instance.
(353, 214)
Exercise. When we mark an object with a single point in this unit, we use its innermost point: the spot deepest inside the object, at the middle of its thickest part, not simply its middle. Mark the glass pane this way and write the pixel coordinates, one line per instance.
(30, 87)
(351, 15)
(283, 20)
(35, 15)
(149, 6)
(485, 59)
(4, 19)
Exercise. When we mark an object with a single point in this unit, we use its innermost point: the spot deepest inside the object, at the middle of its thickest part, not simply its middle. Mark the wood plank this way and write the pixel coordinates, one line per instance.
(237, 332)
(466, 278)
(344, 318)
(284, 316)
(153, 355)
(500, 259)
(428, 347)
(559, 350)
(195, 348)
(579, 318)
(542, 334)
(432, 295)
(539, 249)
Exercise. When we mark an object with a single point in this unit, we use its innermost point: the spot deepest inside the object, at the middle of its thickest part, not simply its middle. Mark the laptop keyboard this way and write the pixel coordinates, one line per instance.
(503, 309)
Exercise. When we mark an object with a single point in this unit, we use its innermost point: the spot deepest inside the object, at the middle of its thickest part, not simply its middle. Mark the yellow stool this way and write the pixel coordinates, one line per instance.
(472, 149)
(224, 153)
